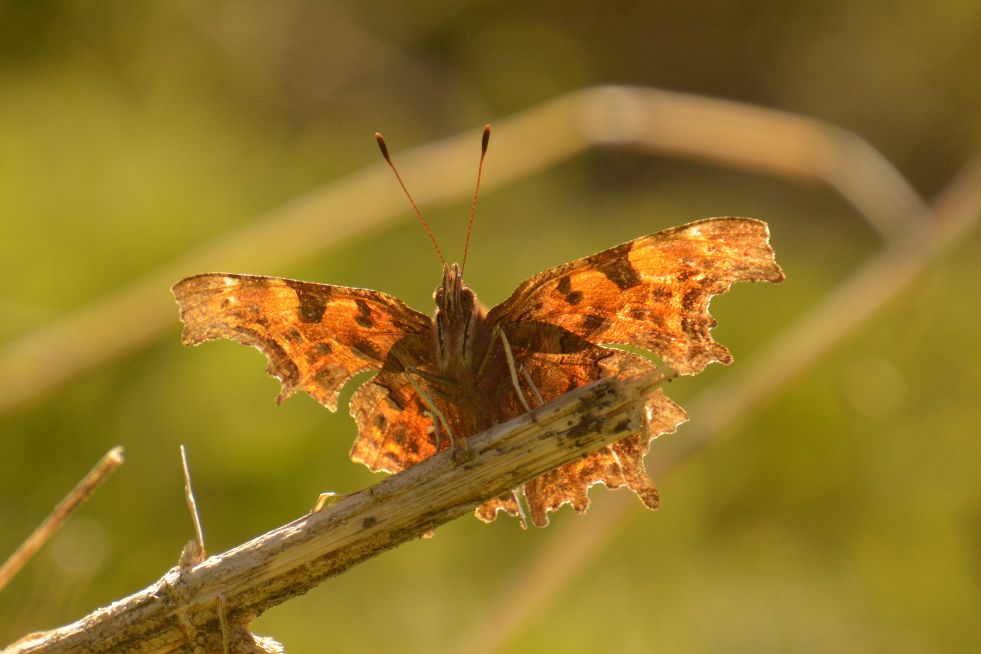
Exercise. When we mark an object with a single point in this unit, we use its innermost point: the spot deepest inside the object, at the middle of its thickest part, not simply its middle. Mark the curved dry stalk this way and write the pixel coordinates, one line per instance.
(195, 549)
(734, 134)
(81, 492)
(846, 308)
(198, 605)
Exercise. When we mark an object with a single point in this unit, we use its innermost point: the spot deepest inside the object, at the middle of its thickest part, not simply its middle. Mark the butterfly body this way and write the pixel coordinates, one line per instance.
(458, 324)
(450, 376)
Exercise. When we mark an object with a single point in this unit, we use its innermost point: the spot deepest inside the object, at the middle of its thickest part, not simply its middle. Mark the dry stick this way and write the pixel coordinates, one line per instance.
(192, 506)
(734, 134)
(83, 489)
(846, 308)
(294, 558)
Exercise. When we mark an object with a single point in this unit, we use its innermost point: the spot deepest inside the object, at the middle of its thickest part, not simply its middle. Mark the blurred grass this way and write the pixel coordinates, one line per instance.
(843, 517)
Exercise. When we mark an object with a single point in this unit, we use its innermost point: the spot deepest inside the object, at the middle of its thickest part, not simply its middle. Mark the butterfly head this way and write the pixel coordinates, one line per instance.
(456, 310)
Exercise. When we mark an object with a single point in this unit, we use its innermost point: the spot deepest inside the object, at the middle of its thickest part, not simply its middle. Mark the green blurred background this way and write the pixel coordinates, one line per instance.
(842, 515)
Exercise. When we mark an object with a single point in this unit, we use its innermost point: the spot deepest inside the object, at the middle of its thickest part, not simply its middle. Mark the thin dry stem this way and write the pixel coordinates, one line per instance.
(192, 507)
(179, 611)
(43, 533)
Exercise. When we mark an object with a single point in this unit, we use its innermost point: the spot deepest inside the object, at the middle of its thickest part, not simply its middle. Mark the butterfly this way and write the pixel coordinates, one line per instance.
(444, 378)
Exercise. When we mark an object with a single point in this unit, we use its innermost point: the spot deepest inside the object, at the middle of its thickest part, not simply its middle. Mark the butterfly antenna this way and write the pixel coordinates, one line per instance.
(425, 225)
(473, 209)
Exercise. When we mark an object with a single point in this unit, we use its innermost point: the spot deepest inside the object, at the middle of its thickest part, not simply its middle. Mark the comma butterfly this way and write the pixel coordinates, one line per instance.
(443, 379)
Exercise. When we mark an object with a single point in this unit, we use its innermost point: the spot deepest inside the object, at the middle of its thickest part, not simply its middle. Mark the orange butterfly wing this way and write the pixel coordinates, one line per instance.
(652, 292)
(316, 336)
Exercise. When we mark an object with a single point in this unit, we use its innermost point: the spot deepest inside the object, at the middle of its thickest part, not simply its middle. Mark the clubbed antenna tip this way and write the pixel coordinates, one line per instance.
(381, 146)
(384, 150)
(485, 139)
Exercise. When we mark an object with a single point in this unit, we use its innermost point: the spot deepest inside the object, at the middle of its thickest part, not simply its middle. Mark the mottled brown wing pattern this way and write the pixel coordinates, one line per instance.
(652, 292)
(395, 424)
(315, 336)
(620, 464)
(395, 428)
(554, 374)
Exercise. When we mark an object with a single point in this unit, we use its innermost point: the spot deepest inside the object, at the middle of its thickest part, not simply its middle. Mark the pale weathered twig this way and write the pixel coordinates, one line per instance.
(846, 308)
(181, 610)
(192, 506)
(735, 134)
(83, 489)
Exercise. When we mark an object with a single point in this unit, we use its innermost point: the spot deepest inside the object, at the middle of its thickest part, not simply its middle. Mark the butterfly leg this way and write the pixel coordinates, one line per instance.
(517, 494)
(438, 417)
(511, 367)
(531, 385)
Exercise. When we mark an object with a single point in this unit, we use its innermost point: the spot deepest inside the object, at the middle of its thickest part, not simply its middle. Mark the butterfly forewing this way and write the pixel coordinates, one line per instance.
(316, 336)
(652, 292)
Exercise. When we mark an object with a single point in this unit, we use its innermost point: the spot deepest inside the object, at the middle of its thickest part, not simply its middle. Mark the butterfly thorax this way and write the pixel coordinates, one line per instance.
(458, 318)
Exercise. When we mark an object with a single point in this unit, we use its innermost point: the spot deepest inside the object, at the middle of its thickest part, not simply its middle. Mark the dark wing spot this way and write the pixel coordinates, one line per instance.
(312, 305)
(565, 285)
(616, 265)
(690, 299)
(661, 293)
(592, 322)
(574, 297)
(694, 326)
(322, 348)
(364, 315)
(380, 421)
(638, 314)
(686, 274)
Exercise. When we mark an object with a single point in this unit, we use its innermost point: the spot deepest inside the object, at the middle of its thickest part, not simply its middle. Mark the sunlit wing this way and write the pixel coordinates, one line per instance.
(652, 292)
(555, 361)
(620, 464)
(395, 426)
(315, 336)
